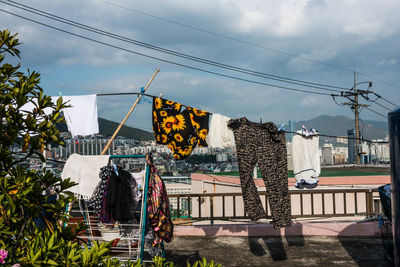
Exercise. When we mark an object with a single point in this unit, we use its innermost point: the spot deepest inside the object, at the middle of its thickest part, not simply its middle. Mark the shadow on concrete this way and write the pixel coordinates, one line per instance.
(182, 256)
(260, 246)
(361, 251)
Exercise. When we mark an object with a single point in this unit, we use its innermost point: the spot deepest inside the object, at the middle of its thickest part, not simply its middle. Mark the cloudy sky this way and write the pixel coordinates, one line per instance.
(315, 41)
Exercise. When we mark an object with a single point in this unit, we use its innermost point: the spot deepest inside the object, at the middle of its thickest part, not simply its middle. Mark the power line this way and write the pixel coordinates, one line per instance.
(226, 36)
(175, 53)
(376, 112)
(382, 81)
(242, 41)
(384, 99)
(164, 60)
(383, 106)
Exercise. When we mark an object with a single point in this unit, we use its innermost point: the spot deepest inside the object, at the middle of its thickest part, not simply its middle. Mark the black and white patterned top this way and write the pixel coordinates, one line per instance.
(96, 201)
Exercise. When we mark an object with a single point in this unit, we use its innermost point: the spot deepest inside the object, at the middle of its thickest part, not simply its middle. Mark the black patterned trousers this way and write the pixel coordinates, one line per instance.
(263, 143)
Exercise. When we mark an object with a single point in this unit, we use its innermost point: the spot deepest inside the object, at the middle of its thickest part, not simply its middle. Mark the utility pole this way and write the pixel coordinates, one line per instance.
(356, 114)
(352, 95)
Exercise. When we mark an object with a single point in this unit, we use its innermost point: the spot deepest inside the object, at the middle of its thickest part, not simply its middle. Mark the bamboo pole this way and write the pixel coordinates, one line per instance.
(127, 115)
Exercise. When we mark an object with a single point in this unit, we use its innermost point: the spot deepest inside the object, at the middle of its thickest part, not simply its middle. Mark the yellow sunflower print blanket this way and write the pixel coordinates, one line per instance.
(182, 129)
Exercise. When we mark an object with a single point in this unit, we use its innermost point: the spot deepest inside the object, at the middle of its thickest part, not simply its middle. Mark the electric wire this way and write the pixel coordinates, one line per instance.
(382, 106)
(384, 99)
(376, 112)
(164, 60)
(377, 79)
(174, 53)
(226, 36)
(244, 42)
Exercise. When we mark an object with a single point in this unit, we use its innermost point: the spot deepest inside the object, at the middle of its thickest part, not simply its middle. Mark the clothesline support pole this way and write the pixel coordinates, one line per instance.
(127, 115)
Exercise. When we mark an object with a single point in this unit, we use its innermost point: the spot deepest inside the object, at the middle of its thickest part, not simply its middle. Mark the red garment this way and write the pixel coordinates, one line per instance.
(158, 210)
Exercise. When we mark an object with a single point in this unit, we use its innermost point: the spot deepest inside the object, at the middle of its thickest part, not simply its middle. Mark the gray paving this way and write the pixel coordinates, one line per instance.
(279, 251)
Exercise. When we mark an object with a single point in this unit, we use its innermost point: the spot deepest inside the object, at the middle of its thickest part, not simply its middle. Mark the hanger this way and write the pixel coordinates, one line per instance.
(115, 169)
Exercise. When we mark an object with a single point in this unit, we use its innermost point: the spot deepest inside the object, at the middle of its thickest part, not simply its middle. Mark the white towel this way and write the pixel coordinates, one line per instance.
(306, 161)
(219, 135)
(82, 117)
(84, 170)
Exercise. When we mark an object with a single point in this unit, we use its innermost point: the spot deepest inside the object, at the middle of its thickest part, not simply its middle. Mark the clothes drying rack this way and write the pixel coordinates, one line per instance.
(132, 252)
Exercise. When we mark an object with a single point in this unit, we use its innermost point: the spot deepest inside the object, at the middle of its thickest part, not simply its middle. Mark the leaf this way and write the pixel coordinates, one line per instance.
(51, 262)
(40, 155)
(51, 242)
(35, 257)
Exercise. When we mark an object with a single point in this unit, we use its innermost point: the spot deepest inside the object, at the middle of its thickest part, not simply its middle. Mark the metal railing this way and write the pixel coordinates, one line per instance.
(304, 204)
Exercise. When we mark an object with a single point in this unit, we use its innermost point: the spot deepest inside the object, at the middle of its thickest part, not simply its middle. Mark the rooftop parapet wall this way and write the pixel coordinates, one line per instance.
(297, 229)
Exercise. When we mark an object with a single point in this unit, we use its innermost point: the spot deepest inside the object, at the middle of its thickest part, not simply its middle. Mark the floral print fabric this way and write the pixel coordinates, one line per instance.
(182, 129)
(158, 211)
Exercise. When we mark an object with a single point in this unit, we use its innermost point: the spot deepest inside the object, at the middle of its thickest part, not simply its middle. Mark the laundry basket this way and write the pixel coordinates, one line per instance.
(108, 233)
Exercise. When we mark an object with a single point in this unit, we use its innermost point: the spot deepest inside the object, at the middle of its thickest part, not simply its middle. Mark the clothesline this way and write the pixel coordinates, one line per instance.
(344, 137)
(287, 132)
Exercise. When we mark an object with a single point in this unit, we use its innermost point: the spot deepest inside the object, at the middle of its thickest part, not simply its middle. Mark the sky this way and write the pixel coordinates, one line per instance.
(315, 41)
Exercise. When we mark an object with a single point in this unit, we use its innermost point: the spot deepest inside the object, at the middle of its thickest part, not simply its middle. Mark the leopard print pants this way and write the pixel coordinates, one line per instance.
(263, 143)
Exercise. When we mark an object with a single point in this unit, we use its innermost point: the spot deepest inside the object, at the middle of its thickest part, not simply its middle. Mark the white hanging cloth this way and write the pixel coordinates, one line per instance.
(84, 170)
(82, 117)
(306, 160)
(219, 135)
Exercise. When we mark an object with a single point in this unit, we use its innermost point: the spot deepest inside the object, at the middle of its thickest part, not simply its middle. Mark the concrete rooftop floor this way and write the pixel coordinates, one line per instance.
(279, 251)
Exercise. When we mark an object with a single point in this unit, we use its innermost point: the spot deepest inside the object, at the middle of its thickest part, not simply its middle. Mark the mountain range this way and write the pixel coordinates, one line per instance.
(338, 125)
(108, 128)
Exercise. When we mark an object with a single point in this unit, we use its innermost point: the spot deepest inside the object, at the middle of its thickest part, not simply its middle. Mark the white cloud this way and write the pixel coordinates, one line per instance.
(354, 34)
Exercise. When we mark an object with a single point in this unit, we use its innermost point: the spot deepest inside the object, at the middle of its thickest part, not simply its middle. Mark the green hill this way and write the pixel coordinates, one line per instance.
(108, 127)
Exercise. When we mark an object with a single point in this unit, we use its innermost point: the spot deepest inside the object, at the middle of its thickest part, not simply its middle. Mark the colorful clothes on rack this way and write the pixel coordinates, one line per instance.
(158, 211)
(98, 199)
(114, 198)
(120, 201)
(263, 143)
(180, 129)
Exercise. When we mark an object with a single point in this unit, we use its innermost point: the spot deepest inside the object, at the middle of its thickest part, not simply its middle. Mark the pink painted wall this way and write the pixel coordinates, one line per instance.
(298, 229)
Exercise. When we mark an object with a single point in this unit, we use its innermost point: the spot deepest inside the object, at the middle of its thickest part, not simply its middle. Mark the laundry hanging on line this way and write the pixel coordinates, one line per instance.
(306, 160)
(220, 135)
(180, 128)
(81, 118)
(263, 143)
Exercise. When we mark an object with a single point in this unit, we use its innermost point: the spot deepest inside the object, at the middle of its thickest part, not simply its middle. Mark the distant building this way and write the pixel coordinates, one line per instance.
(86, 147)
(380, 152)
(292, 125)
(342, 140)
(178, 185)
(222, 157)
(339, 159)
(327, 155)
(351, 145)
